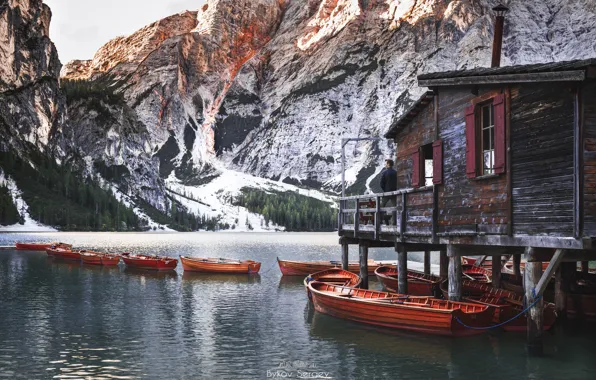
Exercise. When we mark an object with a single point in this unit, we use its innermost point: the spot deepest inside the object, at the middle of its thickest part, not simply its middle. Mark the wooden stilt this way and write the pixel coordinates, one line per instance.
(402, 269)
(517, 265)
(561, 289)
(345, 250)
(455, 274)
(363, 248)
(426, 262)
(496, 269)
(532, 275)
(443, 263)
(585, 266)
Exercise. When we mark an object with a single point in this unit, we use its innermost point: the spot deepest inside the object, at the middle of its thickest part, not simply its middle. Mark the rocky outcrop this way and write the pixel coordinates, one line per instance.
(31, 106)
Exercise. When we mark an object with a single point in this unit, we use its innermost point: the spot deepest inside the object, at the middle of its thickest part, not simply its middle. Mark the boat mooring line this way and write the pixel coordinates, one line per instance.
(502, 323)
(271, 267)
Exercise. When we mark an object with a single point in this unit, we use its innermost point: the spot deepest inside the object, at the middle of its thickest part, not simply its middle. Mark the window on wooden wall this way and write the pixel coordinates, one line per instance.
(485, 137)
(427, 165)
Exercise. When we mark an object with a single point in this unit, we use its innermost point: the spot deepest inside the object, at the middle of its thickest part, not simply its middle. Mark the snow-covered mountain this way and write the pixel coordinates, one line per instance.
(262, 88)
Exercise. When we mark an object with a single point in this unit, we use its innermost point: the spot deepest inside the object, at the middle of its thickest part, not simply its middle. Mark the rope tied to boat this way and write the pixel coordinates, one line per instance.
(502, 323)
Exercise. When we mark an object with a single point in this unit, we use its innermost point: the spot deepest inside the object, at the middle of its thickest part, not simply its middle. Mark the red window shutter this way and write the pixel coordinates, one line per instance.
(416, 169)
(471, 142)
(500, 148)
(438, 162)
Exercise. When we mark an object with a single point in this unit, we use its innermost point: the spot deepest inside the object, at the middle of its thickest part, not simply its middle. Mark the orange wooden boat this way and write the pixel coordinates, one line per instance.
(419, 284)
(41, 246)
(149, 262)
(99, 258)
(304, 268)
(507, 304)
(64, 253)
(334, 276)
(480, 274)
(422, 314)
(211, 265)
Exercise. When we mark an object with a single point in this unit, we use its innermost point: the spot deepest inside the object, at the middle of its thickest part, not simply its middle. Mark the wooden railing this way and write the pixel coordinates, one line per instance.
(415, 213)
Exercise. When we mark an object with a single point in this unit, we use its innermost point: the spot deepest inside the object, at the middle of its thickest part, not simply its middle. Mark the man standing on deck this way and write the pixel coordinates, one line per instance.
(388, 184)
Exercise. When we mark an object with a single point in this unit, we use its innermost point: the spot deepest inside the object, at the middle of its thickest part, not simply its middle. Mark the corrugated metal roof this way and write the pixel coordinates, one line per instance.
(519, 69)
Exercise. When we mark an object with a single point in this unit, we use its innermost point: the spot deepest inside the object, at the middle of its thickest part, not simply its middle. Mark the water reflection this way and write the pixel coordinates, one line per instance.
(150, 274)
(222, 278)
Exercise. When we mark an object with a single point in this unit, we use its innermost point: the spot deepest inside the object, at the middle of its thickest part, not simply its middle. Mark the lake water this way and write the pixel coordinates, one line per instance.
(66, 320)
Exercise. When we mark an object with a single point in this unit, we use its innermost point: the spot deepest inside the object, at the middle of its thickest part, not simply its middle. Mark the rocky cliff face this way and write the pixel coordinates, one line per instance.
(243, 88)
(266, 87)
(31, 107)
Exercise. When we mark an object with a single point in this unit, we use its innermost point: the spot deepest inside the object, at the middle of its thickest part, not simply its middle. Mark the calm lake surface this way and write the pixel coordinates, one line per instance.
(66, 320)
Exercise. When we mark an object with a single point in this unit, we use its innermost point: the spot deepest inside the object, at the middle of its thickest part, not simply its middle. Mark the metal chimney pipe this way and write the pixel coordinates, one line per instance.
(498, 37)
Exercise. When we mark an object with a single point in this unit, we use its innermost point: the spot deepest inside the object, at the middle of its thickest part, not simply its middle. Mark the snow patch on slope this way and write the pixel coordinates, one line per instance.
(214, 199)
(30, 225)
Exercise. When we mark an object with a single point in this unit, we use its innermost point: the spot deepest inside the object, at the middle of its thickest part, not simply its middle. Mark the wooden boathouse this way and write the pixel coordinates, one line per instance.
(494, 162)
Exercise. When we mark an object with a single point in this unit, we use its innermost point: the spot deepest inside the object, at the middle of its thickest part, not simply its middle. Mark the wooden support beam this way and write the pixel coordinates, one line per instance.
(585, 266)
(455, 274)
(427, 262)
(481, 260)
(443, 263)
(345, 250)
(496, 269)
(378, 217)
(547, 254)
(535, 318)
(363, 254)
(517, 265)
(549, 272)
(402, 269)
(357, 219)
(559, 76)
(403, 218)
(561, 290)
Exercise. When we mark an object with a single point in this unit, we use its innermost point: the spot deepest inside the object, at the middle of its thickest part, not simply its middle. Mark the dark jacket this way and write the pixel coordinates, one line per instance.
(388, 180)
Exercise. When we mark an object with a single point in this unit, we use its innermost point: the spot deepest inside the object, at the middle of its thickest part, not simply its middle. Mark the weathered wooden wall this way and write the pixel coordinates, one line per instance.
(589, 104)
(420, 131)
(542, 119)
(466, 204)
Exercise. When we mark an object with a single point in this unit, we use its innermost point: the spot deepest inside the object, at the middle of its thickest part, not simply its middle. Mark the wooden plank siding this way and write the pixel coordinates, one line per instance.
(420, 131)
(542, 121)
(589, 105)
(466, 204)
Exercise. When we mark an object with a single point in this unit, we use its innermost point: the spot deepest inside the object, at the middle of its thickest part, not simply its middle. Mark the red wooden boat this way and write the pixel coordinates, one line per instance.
(334, 276)
(474, 273)
(304, 268)
(149, 262)
(40, 246)
(64, 253)
(99, 258)
(507, 304)
(211, 265)
(419, 284)
(422, 314)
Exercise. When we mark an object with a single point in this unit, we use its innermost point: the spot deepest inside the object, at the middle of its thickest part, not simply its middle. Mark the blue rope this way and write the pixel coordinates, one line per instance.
(502, 323)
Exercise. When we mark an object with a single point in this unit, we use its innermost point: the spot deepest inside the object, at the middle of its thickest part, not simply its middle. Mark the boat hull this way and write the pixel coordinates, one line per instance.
(33, 246)
(96, 258)
(304, 268)
(149, 263)
(64, 254)
(379, 310)
(206, 266)
(334, 276)
(419, 284)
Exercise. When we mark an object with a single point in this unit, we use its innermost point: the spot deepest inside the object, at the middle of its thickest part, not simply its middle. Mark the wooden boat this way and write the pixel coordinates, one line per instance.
(40, 246)
(149, 262)
(419, 284)
(422, 314)
(304, 268)
(507, 305)
(211, 265)
(471, 272)
(64, 253)
(99, 258)
(334, 276)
